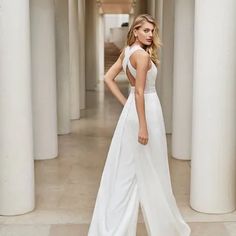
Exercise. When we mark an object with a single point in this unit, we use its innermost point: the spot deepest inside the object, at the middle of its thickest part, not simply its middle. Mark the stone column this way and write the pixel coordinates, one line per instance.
(100, 45)
(44, 79)
(182, 79)
(16, 136)
(213, 169)
(81, 15)
(74, 59)
(159, 17)
(91, 64)
(62, 66)
(165, 78)
(131, 19)
(151, 7)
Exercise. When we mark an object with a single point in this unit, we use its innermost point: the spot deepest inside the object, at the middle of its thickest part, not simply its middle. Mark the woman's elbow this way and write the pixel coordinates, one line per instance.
(105, 79)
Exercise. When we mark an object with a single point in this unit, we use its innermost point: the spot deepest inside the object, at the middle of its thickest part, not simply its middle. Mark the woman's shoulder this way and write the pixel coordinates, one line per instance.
(122, 53)
(140, 53)
(138, 50)
(134, 51)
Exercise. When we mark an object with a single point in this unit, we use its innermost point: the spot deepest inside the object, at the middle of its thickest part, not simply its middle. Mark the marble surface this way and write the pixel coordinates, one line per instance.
(66, 187)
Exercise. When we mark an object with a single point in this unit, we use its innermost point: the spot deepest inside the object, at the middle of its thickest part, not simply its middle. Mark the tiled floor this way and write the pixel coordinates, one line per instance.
(66, 187)
(198, 229)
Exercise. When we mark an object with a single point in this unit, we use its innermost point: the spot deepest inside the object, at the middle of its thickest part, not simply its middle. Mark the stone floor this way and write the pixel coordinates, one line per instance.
(66, 187)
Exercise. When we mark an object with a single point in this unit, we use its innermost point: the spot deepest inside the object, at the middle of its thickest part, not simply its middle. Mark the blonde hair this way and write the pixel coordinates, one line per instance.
(153, 49)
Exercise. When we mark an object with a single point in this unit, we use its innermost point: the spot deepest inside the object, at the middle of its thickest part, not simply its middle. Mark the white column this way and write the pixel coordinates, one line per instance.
(100, 45)
(44, 79)
(182, 79)
(151, 7)
(91, 68)
(62, 66)
(165, 79)
(213, 174)
(81, 15)
(74, 59)
(16, 136)
(159, 17)
(131, 19)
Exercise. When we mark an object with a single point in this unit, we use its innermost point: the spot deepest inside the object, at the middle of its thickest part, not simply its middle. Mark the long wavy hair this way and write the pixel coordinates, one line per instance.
(153, 49)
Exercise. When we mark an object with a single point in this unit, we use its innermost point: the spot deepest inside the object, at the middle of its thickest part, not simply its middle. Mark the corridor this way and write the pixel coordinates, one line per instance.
(57, 117)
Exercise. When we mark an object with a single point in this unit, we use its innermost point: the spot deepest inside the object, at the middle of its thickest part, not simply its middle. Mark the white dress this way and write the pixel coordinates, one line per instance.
(137, 174)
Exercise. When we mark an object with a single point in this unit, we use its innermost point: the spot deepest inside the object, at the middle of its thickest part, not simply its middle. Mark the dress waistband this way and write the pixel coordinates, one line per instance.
(147, 90)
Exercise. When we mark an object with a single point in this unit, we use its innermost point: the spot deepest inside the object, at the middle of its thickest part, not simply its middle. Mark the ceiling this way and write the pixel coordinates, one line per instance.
(116, 6)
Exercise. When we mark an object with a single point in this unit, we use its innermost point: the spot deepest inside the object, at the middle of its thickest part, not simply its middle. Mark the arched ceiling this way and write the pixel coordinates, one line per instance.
(116, 6)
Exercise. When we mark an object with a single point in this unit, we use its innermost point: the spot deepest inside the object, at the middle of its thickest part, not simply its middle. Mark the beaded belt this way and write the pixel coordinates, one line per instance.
(146, 90)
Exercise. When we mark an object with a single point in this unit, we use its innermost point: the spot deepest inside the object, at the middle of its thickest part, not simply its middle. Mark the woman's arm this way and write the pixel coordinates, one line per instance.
(142, 66)
(109, 79)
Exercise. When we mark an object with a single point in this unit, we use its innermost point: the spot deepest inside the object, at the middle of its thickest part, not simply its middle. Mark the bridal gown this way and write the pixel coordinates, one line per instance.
(137, 174)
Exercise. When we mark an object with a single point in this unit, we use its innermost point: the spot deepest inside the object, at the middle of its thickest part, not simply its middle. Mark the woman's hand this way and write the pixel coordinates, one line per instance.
(143, 136)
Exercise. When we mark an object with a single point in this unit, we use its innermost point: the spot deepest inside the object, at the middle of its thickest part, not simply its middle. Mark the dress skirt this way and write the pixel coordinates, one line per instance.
(137, 174)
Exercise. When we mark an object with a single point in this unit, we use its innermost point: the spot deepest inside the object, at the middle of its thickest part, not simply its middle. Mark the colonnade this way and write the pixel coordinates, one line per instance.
(197, 89)
(42, 87)
(45, 60)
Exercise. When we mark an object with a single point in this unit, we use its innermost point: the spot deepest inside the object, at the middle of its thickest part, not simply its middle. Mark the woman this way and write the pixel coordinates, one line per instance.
(136, 170)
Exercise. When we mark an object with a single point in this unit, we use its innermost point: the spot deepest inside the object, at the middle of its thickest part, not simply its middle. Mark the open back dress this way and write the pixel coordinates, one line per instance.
(137, 174)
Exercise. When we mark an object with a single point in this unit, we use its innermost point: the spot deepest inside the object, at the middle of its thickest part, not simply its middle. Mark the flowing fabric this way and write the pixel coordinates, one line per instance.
(137, 174)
